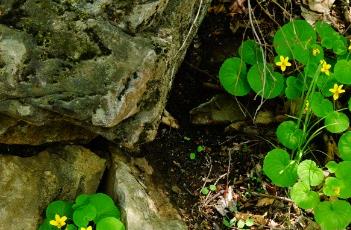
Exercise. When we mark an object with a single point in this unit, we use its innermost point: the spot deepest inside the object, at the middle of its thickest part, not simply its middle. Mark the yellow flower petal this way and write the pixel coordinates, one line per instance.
(53, 222)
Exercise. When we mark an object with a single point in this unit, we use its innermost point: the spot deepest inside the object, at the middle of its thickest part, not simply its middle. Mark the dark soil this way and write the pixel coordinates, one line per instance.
(230, 160)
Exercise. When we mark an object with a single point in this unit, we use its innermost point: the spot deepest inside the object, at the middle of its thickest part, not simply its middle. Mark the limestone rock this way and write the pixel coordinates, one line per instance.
(142, 203)
(94, 67)
(220, 109)
(28, 185)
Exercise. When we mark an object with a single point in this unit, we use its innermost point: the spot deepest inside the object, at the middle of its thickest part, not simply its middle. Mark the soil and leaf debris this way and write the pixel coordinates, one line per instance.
(210, 162)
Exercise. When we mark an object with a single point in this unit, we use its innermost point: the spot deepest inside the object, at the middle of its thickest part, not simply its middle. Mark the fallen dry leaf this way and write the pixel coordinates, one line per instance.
(264, 202)
(258, 219)
(237, 7)
(169, 120)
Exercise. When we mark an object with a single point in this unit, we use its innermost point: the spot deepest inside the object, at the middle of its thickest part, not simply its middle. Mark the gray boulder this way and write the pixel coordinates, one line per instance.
(144, 205)
(28, 185)
(91, 68)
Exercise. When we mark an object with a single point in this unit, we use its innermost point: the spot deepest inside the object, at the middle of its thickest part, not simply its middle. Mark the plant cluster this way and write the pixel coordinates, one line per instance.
(199, 149)
(312, 69)
(88, 212)
(240, 224)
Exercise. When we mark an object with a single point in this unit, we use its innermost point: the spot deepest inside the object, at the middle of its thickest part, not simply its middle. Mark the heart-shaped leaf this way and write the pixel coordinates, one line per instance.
(293, 37)
(319, 105)
(62, 208)
(309, 173)
(344, 146)
(332, 166)
(232, 76)
(105, 206)
(294, 87)
(265, 82)
(332, 186)
(84, 214)
(302, 195)
(289, 134)
(110, 223)
(333, 215)
(330, 39)
(336, 122)
(279, 168)
(342, 70)
(251, 52)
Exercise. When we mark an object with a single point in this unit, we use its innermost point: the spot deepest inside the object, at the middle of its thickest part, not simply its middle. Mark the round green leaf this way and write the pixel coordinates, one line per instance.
(71, 227)
(46, 225)
(333, 215)
(249, 222)
(336, 122)
(339, 46)
(213, 187)
(289, 134)
(309, 173)
(251, 52)
(294, 87)
(192, 156)
(342, 70)
(279, 168)
(343, 170)
(332, 186)
(332, 166)
(105, 206)
(302, 195)
(265, 82)
(344, 146)
(311, 70)
(319, 105)
(325, 83)
(204, 191)
(232, 76)
(110, 223)
(240, 224)
(84, 214)
(81, 200)
(294, 37)
(330, 39)
(62, 208)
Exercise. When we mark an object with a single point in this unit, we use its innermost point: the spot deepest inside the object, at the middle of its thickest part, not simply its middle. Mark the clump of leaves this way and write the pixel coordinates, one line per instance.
(240, 224)
(95, 211)
(205, 190)
(199, 149)
(312, 66)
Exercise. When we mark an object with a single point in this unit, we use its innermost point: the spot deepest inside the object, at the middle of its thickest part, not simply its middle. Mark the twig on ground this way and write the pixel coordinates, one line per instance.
(271, 196)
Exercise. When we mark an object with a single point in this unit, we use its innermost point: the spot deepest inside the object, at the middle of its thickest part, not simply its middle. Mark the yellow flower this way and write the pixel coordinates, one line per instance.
(315, 51)
(349, 46)
(283, 63)
(325, 67)
(337, 90)
(87, 228)
(59, 222)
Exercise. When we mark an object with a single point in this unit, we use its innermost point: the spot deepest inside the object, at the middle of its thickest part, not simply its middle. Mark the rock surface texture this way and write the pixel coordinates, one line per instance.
(74, 69)
(28, 185)
(143, 204)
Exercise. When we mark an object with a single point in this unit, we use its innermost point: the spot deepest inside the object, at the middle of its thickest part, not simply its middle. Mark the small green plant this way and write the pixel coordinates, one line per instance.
(88, 212)
(312, 70)
(192, 156)
(199, 149)
(206, 190)
(240, 224)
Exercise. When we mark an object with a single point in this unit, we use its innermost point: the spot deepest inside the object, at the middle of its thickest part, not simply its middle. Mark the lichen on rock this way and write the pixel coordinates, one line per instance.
(103, 67)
